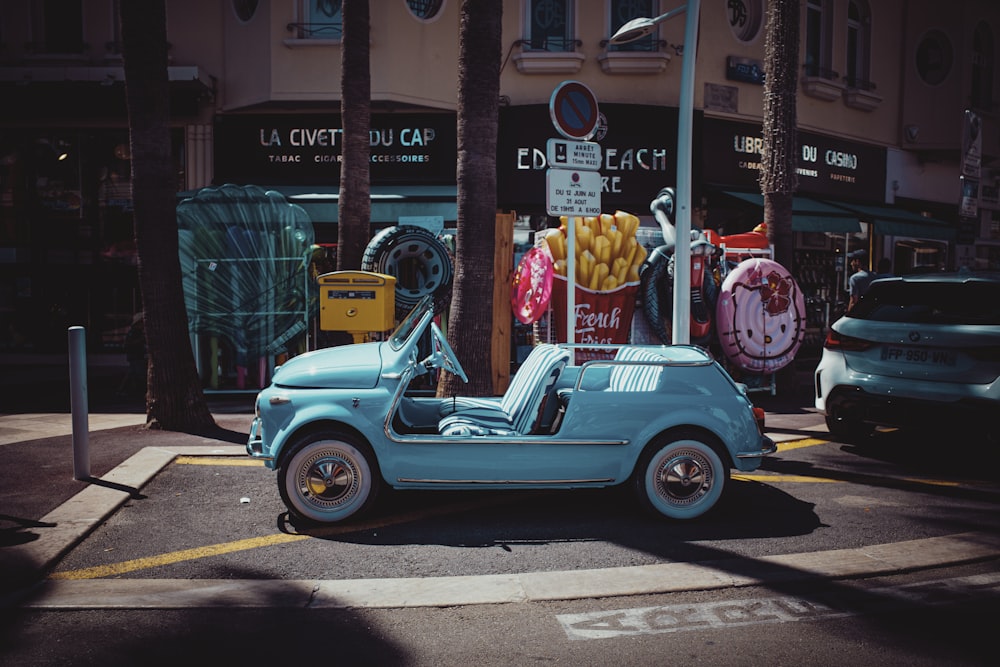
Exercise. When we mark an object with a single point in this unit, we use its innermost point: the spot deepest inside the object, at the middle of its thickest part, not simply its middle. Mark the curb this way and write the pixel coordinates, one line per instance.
(882, 559)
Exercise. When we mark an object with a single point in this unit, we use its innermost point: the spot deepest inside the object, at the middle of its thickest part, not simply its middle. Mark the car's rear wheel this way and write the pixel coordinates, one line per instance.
(328, 477)
(680, 478)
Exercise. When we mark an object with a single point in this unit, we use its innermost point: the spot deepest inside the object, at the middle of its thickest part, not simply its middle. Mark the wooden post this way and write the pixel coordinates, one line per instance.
(503, 271)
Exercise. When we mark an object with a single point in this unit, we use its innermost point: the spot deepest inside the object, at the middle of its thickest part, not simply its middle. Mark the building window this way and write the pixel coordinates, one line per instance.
(858, 45)
(550, 25)
(935, 57)
(745, 18)
(57, 27)
(982, 67)
(818, 40)
(623, 11)
(321, 19)
(425, 10)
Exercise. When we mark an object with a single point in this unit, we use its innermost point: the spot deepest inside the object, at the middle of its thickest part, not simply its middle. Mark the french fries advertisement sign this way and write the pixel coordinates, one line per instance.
(607, 258)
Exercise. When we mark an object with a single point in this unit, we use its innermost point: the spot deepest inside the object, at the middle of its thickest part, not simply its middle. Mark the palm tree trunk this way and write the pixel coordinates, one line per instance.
(470, 322)
(778, 179)
(354, 205)
(174, 398)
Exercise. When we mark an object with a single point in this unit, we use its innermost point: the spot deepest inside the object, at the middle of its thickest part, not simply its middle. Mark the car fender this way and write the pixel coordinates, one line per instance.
(325, 415)
(715, 423)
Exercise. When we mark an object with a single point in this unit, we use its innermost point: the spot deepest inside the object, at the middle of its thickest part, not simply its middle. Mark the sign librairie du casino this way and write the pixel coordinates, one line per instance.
(826, 166)
(306, 149)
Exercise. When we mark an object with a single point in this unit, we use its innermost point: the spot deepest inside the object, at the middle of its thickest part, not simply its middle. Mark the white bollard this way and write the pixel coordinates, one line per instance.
(78, 402)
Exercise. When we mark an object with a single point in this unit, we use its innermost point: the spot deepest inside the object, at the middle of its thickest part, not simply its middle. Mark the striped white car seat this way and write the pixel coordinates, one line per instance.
(518, 411)
(636, 376)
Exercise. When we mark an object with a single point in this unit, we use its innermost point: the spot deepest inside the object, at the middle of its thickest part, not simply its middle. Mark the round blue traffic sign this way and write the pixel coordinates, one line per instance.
(573, 107)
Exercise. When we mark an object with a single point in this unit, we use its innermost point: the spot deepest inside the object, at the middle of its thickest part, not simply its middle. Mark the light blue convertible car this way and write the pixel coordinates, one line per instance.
(339, 423)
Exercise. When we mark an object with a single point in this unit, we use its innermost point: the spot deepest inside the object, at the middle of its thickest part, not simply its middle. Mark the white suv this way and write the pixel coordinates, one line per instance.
(916, 351)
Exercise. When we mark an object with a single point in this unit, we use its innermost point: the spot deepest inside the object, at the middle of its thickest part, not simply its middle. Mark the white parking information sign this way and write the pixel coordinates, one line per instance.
(565, 154)
(572, 192)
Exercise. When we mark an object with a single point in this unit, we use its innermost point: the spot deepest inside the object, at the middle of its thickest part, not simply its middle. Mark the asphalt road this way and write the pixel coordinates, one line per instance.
(881, 553)
(919, 619)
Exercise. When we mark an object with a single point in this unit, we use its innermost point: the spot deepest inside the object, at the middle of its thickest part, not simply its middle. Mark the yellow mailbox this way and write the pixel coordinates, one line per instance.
(358, 302)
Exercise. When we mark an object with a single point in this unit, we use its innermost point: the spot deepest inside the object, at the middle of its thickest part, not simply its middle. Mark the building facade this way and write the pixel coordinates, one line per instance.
(897, 114)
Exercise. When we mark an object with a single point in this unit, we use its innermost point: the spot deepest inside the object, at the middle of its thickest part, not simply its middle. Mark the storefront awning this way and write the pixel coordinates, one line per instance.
(811, 215)
(389, 203)
(893, 221)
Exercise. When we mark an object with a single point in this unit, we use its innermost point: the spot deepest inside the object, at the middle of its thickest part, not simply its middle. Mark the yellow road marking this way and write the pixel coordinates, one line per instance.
(798, 444)
(177, 557)
(932, 482)
(781, 478)
(217, 461)
(171, 558)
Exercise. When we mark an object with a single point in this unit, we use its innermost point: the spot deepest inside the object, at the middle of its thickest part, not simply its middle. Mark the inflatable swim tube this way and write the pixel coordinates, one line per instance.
(531, 286)
(760, 316)
(656, 285)
(417, 259)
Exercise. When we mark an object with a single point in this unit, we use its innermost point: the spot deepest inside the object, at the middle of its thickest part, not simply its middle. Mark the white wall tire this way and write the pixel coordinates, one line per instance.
(681, 479)
(328, 477)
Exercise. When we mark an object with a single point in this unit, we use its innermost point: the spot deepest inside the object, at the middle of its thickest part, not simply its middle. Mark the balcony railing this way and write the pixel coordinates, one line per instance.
(331, 31)
(810, 70)
(858, 83)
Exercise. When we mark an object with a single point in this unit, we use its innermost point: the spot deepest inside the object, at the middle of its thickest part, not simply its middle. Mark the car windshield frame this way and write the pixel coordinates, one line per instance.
(406, 327)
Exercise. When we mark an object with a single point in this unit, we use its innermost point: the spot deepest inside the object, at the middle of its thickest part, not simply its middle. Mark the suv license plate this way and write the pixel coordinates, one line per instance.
(915, 355)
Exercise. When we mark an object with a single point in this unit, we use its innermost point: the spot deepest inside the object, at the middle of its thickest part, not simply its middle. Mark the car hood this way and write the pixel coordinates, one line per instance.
(342, 367)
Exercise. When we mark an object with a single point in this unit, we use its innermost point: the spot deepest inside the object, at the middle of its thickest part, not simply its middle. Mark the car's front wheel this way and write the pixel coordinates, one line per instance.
(682, 478)
(328, 477)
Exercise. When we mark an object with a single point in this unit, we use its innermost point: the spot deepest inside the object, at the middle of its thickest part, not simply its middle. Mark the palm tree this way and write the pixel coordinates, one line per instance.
(470, 321)
(174, 399)
(354, 204)
(778, 159)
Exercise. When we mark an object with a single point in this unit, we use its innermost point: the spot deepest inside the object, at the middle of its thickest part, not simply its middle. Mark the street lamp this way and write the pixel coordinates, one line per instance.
(631, 31)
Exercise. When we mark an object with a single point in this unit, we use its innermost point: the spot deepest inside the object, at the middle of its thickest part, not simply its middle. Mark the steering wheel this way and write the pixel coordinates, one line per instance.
(445, 355)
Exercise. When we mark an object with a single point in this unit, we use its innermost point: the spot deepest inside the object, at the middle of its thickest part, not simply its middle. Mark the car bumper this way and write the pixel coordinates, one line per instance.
(744, 460)
(255, 442)
(900, 411)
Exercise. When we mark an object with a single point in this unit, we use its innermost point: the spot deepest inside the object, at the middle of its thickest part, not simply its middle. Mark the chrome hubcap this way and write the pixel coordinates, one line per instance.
(684, 478)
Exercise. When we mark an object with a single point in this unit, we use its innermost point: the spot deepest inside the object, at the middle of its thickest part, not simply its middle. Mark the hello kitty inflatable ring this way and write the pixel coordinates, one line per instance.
(761, 317)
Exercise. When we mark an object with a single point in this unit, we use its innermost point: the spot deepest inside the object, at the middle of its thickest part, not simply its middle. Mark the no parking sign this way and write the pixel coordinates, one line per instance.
(573, 107)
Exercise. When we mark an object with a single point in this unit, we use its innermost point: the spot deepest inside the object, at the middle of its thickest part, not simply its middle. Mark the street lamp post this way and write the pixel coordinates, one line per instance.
(631, 31)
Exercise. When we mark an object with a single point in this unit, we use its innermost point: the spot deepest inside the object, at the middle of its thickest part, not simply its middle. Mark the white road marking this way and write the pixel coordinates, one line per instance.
(785, 609)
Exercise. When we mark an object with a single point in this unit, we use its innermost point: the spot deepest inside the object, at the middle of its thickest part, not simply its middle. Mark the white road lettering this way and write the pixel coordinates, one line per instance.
(761, 611)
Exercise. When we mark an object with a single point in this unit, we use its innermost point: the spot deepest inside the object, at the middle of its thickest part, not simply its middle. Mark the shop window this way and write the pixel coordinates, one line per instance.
(623, 11)
(56, 161)
(321, 20)
(745, 18)
(57, 27)
(425, 10)
(982, 67)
